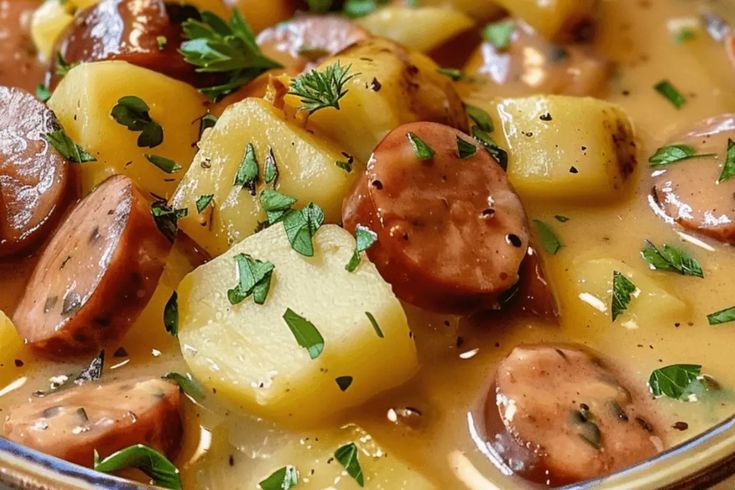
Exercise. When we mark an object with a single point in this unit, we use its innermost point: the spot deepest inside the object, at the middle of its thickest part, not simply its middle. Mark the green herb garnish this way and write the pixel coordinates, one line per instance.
(364, 238)
(132, 112)
(675, 153)
(670, 258)
(420, 148)
(283, 478)
(722, 316)
(665, 88)
(547, 237)
(154, 464)
(171, 315)
(480, 117)
(67, 148)
(203, 202)
(321, 89)
(499, 33)
(677, 381)
(495, 151)
(465, 149)
(301, 226)
(167, 219)
(305, 333)
(561, 218)
(166, 164)
(62, 66)
(347, 456)
(452, 73)
(207, 121)
(270, 173)
(254, 278)
(42, 92)
(375, 325)
(728, 168)
(361, 8)
(187, 384)
(275, 205)
(247, 173)
(622, 293)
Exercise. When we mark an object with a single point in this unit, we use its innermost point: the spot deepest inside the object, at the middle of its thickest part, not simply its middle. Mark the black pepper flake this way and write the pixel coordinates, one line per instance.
(644, 424)
(231, 461)
(573, 170)
(488, 213)
(377, 184)
(120, 352)
(546, 117)
(18, 363)
(68, 257)
(514, 240)
(72, 302)
(49, 304)
(680, 426)
(375, 85)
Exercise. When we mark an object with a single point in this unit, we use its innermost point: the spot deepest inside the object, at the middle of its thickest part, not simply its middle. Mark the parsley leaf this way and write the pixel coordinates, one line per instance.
(62, 66)
(675, 153)
(254, 278)
(275, 204)
(215, 46)
(622, 293)
(154, 464)
(452, 73)
(375, 325)
(301, 226)
(207, 121)
(465, 149)
(247, 174)
(42, 92)
(347, 456)
(132, 112)
(670, 258)
(166, 218)
(171, 315)
(305, 333)
(283, 478)
(422, 150)
(187, 384)
(722, 316)
(499, 154)
(728, 168)
(361, 8)
(678, 381)
(499, 33)
(547, 237)
(665, 88)
(67, 148)
(480, 117)
(561, 218)
(204, 201)
(270, 174)
(166, 164)
(321, 89)
(345, 165)
(343, 382)
(364, 238)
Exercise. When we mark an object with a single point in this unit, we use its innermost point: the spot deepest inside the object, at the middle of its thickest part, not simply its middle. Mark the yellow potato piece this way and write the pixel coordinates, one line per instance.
(11, 345)
(264, 13)
(566, 148)
(551, 18)
(480, 10)
(391, 86)
(419, 28)
(83, 102)
(650, 304)
(307, 167)
(248, 354)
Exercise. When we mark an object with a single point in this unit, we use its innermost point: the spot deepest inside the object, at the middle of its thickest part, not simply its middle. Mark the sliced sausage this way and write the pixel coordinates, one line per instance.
(34, 178)
(19, 65)
(306, 39)
(133, 31)
(97, 273)
(558, 415)
(73, 423)
(451, 232)
(531, 65)
(688, 191)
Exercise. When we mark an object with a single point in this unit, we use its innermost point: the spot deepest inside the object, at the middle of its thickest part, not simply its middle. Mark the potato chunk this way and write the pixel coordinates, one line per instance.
(250, 356)
(551, 18)
(391, 86)
(419, 28)
(11, 347)
(307, 170)
(567, 148)
(84, 100)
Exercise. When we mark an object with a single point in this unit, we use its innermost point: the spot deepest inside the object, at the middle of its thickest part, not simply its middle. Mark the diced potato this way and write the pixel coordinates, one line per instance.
(391, 86)
(480, 10)
(651, 304)
(83, 102)
(11, 345)
(551, 18)
(265, 13)
(307, 167)
(248, 354)
(566, 148)
(419, 28)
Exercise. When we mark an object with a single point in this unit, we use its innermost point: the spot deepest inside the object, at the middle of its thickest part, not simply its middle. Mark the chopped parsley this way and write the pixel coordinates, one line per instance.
(465, 149)
(728, 168)
(67, 148)
(361, 8)
(452, 73)
(305, 333)
(347, 456)
(247, 173)
(666, 89)
(547, 237)
(215, 46)
(132, 112)
(622, 293)
(675, 153)
(275, 205)
(561, 218)
(187, 384)
(499, 33)
(495, 151)
(679, 382)
(207, 121)
(42, 92)
(343, 382)
(321, 89)
(420, 148)
(62, 66)
(480, 117)
(345, 165)
(204, 201)
(171, 314)
(670, 258)
(167, 218)
(270, 173)
(166, 164)
(254, 278)
(364, 239)
(723, 316)
(93, 372)
(161, 42)
(301, 226)
(375, 325)
(154, 464)
(283, 478)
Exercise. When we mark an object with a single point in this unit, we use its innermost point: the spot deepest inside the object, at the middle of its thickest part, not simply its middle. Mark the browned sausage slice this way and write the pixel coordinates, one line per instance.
(688, 191)
(97, 273)
(33, 176)
(308, 38)
(558, 415)
(73, 423)
(451, 232)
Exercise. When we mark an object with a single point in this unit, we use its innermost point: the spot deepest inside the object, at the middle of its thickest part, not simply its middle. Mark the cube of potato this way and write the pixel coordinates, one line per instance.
(264, 13)
(250, 356)
(391, 86)
(307, 168)
(48, 22)
(566, 148)
(652, 304)
(83, 102)
(11, 346)
(480, 10)
(551, 18)
(419, 28)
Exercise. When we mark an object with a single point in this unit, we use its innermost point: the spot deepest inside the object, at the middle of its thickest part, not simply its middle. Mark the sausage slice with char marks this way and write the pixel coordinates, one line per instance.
(558, 415)
(97, 273)
(688, 191)
(452, 233)
(34, 178)
(73, 423)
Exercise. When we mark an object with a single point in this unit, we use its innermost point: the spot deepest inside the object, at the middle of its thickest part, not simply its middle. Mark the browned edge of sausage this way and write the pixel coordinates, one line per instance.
(96, 274)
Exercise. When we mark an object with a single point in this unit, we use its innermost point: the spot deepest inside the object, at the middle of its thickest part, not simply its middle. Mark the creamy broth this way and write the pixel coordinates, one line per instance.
(438, 441)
